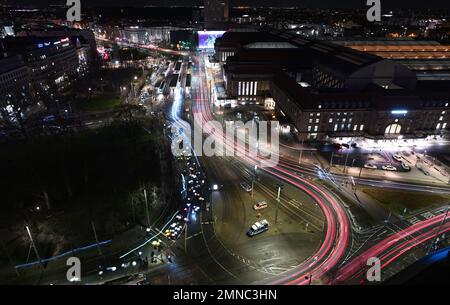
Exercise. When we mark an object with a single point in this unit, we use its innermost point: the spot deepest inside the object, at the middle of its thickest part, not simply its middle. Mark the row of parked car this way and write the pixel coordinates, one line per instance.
(389, 167)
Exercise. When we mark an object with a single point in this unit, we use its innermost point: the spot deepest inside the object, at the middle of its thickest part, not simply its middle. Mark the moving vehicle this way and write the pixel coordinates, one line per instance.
(258, 228)
(246, 187)
(260, 206)
(370, 166)
(397, 157)
(389, 168)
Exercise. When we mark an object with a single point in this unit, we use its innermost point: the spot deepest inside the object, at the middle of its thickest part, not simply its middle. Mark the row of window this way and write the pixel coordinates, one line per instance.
(225, 55)
(339, 127)
(247, 88)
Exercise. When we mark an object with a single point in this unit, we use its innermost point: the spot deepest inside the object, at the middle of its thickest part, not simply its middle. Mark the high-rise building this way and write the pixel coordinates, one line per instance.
(216, 12)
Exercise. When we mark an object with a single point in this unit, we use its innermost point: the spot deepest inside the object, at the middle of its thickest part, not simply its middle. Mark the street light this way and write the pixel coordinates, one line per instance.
(301, 152)
(280, 187)
(32, 244)
(433, 241)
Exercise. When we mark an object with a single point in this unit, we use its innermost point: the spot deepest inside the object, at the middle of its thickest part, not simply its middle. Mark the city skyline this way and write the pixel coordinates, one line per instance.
(398, 4)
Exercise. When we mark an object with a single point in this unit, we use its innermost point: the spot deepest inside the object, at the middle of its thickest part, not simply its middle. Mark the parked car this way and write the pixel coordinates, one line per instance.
(406, 166)
(397, 157)
(370, 166)
(389, 168)
(246, 187)
(260, 206)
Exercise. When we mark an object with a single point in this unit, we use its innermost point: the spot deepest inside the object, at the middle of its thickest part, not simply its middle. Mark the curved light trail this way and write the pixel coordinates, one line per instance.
(337, 231)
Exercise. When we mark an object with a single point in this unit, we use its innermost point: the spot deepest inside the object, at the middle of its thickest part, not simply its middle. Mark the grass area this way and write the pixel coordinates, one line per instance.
(363, 219)
(106, 102)
(398, 201)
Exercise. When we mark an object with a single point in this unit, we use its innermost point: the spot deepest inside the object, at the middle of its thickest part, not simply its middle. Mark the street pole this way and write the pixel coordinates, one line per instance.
(348, 152)
(301, 152)
(437, 232)
(32, 244)
(359, 177)
(96, 238)
(146, 208)
(278, 203)
(253, 183)
(185, 238)
(331, 160)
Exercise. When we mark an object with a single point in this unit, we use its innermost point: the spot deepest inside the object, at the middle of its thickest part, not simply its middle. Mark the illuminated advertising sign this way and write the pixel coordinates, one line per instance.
(206, 39)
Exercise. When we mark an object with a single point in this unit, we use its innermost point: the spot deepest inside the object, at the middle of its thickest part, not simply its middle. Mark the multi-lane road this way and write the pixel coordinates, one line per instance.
(317, 240)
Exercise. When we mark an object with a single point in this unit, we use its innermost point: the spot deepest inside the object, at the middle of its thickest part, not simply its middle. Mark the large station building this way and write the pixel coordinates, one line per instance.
(339, 90)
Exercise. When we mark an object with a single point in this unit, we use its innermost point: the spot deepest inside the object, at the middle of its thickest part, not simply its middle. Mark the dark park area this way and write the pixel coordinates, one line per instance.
(59, 185)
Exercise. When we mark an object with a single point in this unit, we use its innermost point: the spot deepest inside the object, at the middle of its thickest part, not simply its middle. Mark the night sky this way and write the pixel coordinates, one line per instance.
(433, 4)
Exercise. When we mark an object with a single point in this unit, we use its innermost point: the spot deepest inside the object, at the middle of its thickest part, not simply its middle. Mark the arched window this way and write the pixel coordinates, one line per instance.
(393, 129)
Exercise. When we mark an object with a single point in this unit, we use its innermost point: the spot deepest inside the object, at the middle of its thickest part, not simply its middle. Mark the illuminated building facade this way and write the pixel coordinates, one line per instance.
(332, 91)
(52, 62)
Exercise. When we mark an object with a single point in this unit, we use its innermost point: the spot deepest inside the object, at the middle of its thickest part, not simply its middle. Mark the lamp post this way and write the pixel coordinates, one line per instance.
(32, 244)
(301, 152)
(279, 186)
(348, 152)
(433, 241)
(331, 160)
(96, 238)
(146, 208)
(359, 177)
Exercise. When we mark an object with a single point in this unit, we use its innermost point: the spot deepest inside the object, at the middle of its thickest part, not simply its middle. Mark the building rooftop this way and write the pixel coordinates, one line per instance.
(270, 42)
(270, 45)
